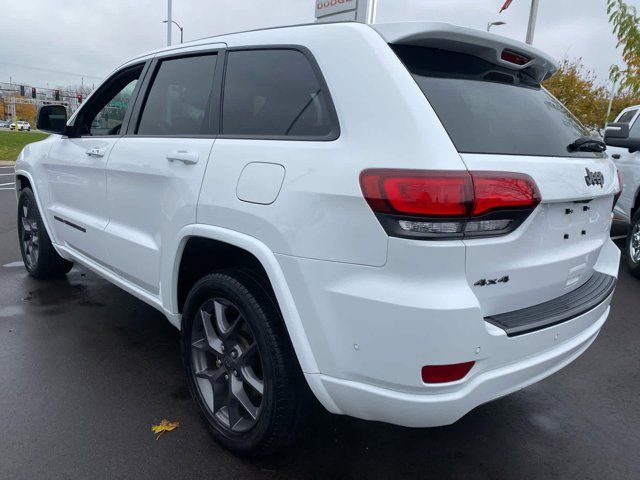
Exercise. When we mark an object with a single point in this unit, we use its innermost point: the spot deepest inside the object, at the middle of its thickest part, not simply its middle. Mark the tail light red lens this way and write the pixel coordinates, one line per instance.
(446, 373)
(420, 201)
(496, 191)
(440, 194)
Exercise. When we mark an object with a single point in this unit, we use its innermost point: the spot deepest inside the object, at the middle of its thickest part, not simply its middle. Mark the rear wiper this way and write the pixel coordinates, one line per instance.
(588, 144)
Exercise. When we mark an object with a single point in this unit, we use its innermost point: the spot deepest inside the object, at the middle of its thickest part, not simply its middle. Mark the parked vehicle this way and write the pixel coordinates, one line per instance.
(4, 124)
(402, 227)
(21, 126)
(623, 138)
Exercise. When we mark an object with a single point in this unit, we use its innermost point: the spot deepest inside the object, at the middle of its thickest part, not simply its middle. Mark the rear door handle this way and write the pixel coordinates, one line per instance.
(96, 152)
(188, 158)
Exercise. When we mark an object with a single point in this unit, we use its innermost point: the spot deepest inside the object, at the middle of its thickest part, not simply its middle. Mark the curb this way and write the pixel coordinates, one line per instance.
(7, 163)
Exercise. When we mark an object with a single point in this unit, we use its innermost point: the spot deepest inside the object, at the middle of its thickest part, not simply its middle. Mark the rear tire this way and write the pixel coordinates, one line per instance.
(633, 246)
(240, 365)
(39, 257)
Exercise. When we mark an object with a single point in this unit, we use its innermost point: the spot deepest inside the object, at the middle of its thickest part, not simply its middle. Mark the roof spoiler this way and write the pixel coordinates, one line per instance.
(495, 49)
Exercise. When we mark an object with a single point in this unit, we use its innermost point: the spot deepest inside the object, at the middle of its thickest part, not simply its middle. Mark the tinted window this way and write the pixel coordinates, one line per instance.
(627, 116)
(274, 93)
(178, 102)
(490, 109)
(109, 120)
(104, 113)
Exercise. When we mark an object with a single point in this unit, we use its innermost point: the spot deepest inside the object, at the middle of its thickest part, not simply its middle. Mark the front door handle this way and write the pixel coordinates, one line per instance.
(96, 152)
(188, 158)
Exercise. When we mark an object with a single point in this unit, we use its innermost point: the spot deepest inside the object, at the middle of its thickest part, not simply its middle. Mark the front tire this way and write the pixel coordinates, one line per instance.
(633, 246)
(240, 365)
(39, 257)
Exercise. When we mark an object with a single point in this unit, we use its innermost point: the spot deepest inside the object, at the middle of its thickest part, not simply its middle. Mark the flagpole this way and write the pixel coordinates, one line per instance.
(532, 21)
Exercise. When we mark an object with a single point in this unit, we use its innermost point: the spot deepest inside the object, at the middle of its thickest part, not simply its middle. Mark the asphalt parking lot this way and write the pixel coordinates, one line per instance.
(86, 369)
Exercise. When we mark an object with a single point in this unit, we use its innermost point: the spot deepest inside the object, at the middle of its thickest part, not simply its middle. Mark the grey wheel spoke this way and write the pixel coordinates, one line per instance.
(224, 326)
(26, 224)
(215, 377)
(240, 394)
(247, 355)
(211, 336)
(251, 379)
(233, 409)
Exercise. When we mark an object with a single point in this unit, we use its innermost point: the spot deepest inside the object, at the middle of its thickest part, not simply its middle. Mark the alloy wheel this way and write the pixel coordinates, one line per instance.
(29, 234)
(634, 244)
(226, 365)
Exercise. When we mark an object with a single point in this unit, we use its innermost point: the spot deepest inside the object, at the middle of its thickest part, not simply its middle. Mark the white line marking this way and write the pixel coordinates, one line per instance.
(6, 174)
(14, 265)
(8, 189)
(619, 237)
(6, 184)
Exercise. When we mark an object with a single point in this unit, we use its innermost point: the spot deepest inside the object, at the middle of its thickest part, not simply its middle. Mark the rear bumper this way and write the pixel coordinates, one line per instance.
(436, 409)
(372, 329)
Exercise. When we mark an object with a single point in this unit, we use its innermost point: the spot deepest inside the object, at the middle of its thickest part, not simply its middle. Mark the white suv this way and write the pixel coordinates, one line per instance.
(623, 138)
(398, 219)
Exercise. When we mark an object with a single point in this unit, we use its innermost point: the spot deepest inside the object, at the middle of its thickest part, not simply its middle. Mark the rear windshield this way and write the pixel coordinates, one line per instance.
(489, 109)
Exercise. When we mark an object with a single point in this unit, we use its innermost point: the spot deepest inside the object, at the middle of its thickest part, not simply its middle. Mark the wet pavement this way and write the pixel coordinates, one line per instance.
(85, 369)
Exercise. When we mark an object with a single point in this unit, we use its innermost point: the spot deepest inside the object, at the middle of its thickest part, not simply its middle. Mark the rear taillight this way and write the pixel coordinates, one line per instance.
(446, 204)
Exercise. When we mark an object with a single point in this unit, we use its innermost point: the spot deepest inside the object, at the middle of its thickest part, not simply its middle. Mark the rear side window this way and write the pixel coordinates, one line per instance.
(626, 117)
(275, 94)
(489, 109)
(179, 100)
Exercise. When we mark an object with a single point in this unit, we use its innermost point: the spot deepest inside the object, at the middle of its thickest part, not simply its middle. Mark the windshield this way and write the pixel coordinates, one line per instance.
(489, 109)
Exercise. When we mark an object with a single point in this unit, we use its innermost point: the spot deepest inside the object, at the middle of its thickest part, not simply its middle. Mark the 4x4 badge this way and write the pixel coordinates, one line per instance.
(486, 282)
(594, 178)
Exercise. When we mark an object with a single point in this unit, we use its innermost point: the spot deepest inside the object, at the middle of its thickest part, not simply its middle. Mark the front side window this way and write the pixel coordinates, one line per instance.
(179, 100)
(106, 111)
(626, 117)
(275, 93)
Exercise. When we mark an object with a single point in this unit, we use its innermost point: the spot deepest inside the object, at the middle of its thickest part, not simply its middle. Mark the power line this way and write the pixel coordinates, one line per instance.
(59, 72)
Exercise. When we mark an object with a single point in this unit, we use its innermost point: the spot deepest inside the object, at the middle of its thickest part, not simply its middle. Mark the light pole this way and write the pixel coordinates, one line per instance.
(177, 25)
(533, 16)
(494, 24)
(168, 22)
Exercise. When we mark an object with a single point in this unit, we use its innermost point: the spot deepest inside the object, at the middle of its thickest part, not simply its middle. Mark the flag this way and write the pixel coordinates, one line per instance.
(506, 5)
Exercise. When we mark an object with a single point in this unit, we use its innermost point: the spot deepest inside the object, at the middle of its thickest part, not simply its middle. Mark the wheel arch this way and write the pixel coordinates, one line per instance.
(266, 259)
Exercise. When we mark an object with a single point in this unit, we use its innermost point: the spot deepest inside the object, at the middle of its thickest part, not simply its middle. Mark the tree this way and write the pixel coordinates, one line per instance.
(578, 90)
(626, 26)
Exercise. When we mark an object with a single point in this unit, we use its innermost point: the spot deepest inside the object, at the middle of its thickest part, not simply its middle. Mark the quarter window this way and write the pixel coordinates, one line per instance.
(179, 100)
(273, 94)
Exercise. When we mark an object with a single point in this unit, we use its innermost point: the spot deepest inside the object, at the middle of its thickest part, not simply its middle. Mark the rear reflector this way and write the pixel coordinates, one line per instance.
(446, 373)
(448, 203)
(515, 58)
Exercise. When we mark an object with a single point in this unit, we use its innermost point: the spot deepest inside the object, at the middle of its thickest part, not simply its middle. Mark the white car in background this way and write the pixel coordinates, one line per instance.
(21, 126)
(402, 228)
(623, 140)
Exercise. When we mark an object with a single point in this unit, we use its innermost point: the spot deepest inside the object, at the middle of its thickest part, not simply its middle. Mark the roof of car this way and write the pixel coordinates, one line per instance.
(431, 34)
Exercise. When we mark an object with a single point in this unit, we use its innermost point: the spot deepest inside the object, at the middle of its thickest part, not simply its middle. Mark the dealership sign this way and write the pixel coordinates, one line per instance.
(325, 8)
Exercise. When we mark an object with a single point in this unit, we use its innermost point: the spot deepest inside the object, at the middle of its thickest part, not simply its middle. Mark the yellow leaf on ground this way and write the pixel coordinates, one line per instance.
(165, 426)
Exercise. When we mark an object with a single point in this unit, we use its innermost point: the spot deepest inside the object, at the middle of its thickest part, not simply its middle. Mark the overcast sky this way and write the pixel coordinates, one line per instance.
(50, 43)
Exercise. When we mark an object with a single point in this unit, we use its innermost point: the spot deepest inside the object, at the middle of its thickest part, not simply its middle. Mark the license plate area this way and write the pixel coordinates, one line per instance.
(580, 220)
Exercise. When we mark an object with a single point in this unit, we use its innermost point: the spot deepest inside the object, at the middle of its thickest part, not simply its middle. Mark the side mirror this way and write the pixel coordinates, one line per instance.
(52, 119)
(618, 135)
